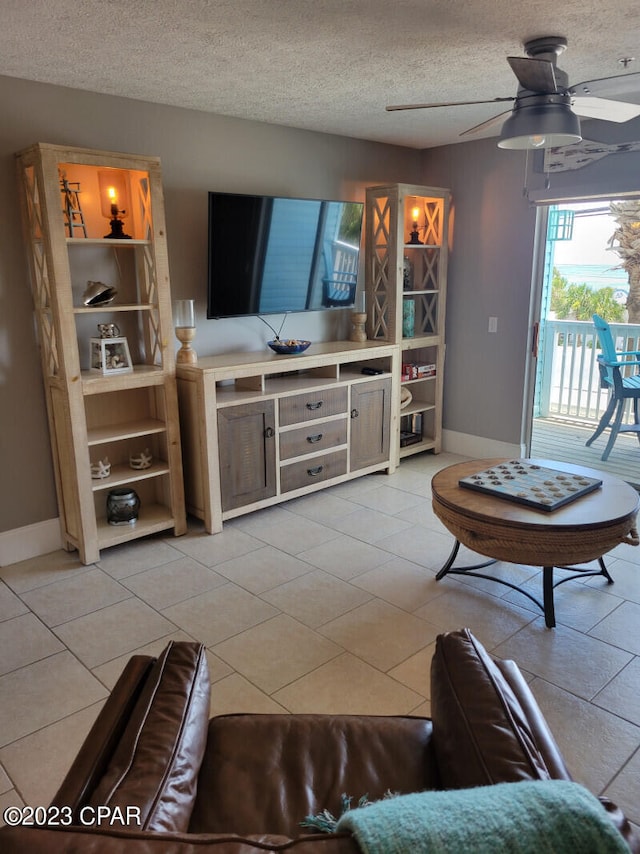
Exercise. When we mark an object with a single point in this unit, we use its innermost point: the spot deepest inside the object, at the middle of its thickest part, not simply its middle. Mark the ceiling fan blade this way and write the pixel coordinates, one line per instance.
(623, 84)
(605, 109)
(536, 75)
(444, 104)
(495, 120)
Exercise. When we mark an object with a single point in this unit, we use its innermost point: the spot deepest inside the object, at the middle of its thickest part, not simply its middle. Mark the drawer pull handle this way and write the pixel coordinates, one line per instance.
(354, 413)
(313, 439)
(269, 433)
(315, 471)
(315, 405)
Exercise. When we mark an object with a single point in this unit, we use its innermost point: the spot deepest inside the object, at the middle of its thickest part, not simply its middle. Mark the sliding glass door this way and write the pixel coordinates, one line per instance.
(586, 255)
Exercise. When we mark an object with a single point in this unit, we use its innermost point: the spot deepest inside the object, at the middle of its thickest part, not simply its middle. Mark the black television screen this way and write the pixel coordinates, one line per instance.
(271, 255)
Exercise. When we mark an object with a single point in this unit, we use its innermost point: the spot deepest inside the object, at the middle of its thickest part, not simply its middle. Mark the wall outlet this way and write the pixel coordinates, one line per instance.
(493, 324)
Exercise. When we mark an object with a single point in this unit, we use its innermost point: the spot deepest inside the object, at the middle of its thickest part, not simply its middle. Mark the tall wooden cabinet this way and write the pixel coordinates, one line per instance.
(108, 402)
(406, 286)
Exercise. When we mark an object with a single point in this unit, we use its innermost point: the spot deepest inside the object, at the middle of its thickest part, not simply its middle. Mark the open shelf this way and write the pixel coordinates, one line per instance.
(109, 243)
(151, 520)
(130, 430)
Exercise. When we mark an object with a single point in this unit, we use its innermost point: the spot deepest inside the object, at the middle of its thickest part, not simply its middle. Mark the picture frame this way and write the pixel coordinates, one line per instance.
(109, 356)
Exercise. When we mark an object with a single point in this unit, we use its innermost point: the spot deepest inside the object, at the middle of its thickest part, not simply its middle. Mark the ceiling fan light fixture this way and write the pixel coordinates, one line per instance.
(545, 125)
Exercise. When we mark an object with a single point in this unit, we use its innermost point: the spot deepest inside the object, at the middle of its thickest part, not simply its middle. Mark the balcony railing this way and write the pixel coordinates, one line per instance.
(568, 376)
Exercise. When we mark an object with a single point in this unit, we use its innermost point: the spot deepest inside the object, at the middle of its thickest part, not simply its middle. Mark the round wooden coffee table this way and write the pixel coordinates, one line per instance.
(505, 530)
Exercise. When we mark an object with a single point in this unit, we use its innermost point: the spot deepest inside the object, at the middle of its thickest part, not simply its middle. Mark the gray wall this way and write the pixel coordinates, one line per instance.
(199, 152)
(489, 276)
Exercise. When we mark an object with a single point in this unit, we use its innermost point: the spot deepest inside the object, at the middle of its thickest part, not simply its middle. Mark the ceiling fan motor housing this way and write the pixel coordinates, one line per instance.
(547, 47)
(540, 121)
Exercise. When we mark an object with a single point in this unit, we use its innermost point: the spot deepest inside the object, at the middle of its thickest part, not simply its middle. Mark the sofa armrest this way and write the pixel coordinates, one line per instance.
(156, 763)
(630, 834)
(147, 743)
(93, 757)
(540, 731)
(487, 726)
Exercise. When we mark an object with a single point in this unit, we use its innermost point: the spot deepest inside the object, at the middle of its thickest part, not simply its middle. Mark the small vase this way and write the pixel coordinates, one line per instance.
(122, 506)
(407, 274)
(408, 318)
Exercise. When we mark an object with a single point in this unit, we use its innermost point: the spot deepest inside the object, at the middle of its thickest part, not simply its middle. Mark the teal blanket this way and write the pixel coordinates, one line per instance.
(538, 817)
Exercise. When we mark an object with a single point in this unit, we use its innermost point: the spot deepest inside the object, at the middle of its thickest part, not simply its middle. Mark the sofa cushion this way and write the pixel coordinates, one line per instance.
(266, 773)
(155, 766)
(480, 730)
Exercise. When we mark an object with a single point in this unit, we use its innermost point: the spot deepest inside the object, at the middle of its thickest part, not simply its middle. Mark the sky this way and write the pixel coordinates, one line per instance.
(590, 237)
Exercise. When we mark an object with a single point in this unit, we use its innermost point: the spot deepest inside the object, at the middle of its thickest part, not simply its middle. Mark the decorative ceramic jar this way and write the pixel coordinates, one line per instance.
(122, 506)
(407, 274)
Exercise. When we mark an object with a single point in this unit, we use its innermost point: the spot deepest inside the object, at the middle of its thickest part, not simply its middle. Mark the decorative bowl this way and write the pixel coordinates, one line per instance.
(288, 346)
(97, 293)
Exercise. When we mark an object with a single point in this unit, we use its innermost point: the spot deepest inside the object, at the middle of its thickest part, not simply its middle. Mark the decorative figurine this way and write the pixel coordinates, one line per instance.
(142, 461)
(101, 469)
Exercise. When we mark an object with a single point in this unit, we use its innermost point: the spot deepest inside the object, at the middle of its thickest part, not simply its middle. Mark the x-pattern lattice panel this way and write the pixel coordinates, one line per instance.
(41, 286)
(48, 344)
(154, 356)
(380, 272)
(144, 200)
(433, 210)
(429, 270)
(428, 313)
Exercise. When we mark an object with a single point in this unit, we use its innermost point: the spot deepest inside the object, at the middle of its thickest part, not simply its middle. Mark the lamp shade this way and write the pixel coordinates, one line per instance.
(540, 125)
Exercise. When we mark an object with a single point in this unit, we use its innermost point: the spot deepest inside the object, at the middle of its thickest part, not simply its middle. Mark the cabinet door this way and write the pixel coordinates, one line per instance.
(370, 423)
(247, 453)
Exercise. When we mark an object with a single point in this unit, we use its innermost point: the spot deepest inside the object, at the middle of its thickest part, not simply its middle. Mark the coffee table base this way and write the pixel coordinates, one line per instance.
(548, 585)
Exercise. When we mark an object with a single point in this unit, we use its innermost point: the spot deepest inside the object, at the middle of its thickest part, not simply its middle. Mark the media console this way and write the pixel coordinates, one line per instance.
(258, 428)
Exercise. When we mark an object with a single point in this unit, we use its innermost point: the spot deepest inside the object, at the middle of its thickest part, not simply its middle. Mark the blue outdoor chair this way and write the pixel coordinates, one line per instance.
(611, 364)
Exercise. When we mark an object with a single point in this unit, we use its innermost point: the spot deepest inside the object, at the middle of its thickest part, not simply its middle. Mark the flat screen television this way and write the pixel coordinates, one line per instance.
(271, 255)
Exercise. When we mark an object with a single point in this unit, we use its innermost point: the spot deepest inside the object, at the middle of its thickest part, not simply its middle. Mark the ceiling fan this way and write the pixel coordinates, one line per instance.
(546, 108)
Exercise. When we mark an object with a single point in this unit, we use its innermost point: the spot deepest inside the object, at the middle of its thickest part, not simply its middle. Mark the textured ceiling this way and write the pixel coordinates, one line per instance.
(323, 65)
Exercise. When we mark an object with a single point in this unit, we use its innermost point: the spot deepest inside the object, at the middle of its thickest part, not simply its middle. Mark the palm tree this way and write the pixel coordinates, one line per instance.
(626, 242)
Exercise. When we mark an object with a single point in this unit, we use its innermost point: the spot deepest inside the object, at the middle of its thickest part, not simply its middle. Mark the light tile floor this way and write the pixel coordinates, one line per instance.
(327, 603)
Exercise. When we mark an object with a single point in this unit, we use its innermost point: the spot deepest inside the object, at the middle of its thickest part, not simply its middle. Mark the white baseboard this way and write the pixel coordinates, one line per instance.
(30, 541)
(477, 447)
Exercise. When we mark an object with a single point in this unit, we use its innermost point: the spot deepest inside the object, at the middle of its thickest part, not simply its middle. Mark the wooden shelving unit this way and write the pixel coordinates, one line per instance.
(406, 253)
(93, 416)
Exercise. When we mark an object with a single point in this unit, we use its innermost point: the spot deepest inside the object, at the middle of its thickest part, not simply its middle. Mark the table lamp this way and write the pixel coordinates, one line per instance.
(114, 201)
(414, 234)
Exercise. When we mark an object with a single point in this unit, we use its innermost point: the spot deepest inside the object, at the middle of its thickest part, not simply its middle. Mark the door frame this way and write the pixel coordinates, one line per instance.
(536, 302)
(533, 327)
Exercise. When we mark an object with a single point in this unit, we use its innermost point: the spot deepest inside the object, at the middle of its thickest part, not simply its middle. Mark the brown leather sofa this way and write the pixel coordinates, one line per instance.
(240, 784)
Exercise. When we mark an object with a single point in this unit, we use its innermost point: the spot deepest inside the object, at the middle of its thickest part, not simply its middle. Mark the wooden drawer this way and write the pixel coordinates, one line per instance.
(310, 472)
(314, 437)
(314, 404)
